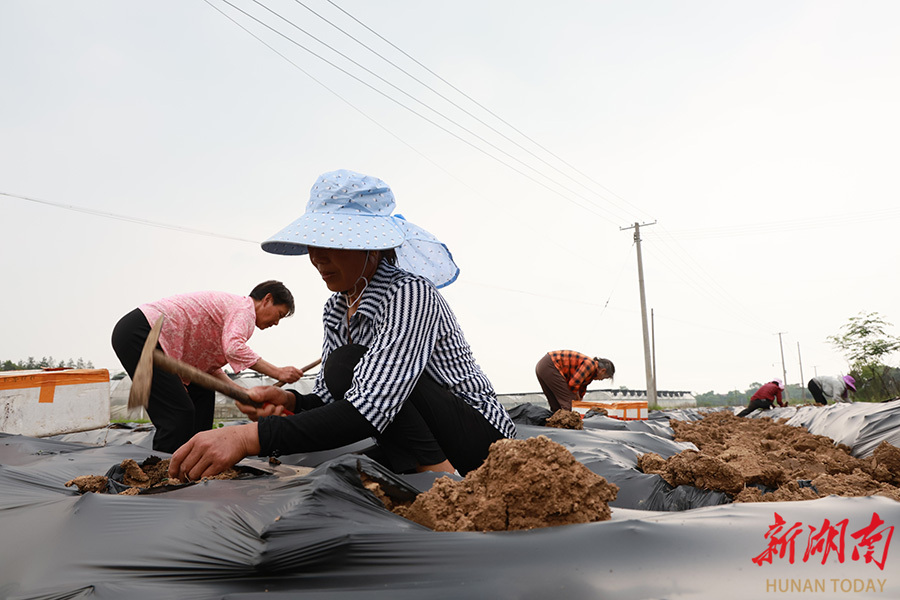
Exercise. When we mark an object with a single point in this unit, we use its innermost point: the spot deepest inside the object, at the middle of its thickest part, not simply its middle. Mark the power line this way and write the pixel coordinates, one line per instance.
(614, 286)
(704, 279)
(211, 234)
(157, 224)
(330, 63)
(462, 93)
(421, 116)
(719, 291)
(350, 104)
(337, 95)
(138, 220)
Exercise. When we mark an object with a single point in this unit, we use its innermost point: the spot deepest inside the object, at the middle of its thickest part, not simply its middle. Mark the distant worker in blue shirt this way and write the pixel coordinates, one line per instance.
(765, 397)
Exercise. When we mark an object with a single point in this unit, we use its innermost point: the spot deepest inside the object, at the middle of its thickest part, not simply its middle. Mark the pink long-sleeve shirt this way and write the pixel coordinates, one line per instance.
(206, 329)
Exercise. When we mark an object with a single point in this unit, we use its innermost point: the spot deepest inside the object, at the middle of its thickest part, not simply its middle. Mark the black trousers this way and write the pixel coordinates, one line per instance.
(816, 390)
(755, 404)
(433, 424)
(177, 411)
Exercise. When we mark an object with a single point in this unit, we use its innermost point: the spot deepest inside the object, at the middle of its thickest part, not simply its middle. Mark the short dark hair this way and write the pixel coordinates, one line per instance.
(280, 294)
(605, 363)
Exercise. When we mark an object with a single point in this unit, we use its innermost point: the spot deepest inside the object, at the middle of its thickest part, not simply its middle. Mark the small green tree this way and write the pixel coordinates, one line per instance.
(866, 345)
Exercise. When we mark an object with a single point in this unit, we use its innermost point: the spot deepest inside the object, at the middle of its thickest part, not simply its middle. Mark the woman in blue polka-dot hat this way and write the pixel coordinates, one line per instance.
(396, 364)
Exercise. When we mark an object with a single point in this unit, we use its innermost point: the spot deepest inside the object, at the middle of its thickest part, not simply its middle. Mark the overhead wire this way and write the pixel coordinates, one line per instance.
(425, 118)
(512, 167)
(118, 217)
(704, 278)
(475, 192)
(193, 231)
(704, 284)
(616, 282)
(718, 291)
(488, 110)
(333, 91)
(466, 96)
(728, 301)
(350, 104)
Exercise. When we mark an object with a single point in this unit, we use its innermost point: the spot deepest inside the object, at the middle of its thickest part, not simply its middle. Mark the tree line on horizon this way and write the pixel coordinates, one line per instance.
(46, 362)
(795, 393)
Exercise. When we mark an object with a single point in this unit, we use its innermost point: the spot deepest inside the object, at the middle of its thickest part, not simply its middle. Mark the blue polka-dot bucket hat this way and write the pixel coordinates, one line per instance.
(346, 210)
(352, 211)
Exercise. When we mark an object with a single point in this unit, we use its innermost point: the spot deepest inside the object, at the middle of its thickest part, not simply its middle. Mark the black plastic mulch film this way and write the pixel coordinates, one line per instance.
(277, 532)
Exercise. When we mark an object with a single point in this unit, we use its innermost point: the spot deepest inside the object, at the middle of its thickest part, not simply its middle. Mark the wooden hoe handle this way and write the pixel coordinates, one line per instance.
(202, 378)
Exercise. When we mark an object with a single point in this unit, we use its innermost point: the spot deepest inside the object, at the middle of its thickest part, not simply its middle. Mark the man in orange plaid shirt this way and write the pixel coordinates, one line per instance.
(565, 374)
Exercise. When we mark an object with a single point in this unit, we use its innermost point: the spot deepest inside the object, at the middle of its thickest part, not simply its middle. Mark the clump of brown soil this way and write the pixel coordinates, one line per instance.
(737, 455)
(597, 412)
(523, 484)
(89, 483)
(886, 459)
(565, 419)
(693, 468)
(152, 473)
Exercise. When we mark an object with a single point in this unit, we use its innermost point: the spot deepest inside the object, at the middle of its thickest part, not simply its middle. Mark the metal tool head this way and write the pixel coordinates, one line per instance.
(139, 395)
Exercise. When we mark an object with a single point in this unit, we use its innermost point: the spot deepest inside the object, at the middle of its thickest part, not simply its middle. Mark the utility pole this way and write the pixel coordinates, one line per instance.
(653, 346)
(648, 367)
(783, 369)
(802, 387)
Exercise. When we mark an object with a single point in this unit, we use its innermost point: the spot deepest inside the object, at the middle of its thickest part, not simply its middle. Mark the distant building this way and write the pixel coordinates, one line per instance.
(664, 398)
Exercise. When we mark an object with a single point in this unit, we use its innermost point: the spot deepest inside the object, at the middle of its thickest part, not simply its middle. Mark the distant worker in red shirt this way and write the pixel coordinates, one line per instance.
(765, 397)
(565, 374)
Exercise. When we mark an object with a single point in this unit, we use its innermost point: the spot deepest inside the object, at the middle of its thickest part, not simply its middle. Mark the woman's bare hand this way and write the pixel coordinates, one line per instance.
(209, 453)
(275, 401)
(289, 374)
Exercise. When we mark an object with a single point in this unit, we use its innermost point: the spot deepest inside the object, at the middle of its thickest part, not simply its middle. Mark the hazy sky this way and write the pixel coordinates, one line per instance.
(760, 137)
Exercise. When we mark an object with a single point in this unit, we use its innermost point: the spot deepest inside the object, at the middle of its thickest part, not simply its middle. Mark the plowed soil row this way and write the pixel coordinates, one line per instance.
(760, 460)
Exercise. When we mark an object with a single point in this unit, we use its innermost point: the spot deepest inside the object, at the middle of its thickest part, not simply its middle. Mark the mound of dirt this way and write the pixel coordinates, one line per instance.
(565, 419)
(152, 473)
(523, 484)
(759, 460)
(696, 469)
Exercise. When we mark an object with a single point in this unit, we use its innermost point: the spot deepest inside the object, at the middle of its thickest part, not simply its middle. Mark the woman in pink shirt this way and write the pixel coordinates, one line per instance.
(207, 330)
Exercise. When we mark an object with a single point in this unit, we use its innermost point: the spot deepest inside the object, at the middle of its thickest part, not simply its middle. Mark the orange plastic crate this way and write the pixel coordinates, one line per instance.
(624, 410)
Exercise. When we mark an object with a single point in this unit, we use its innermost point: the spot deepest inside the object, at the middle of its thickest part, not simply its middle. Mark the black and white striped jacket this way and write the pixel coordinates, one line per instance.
(408, 329)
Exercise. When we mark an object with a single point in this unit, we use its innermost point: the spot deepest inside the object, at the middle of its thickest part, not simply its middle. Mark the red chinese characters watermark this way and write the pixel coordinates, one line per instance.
(871, 542)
